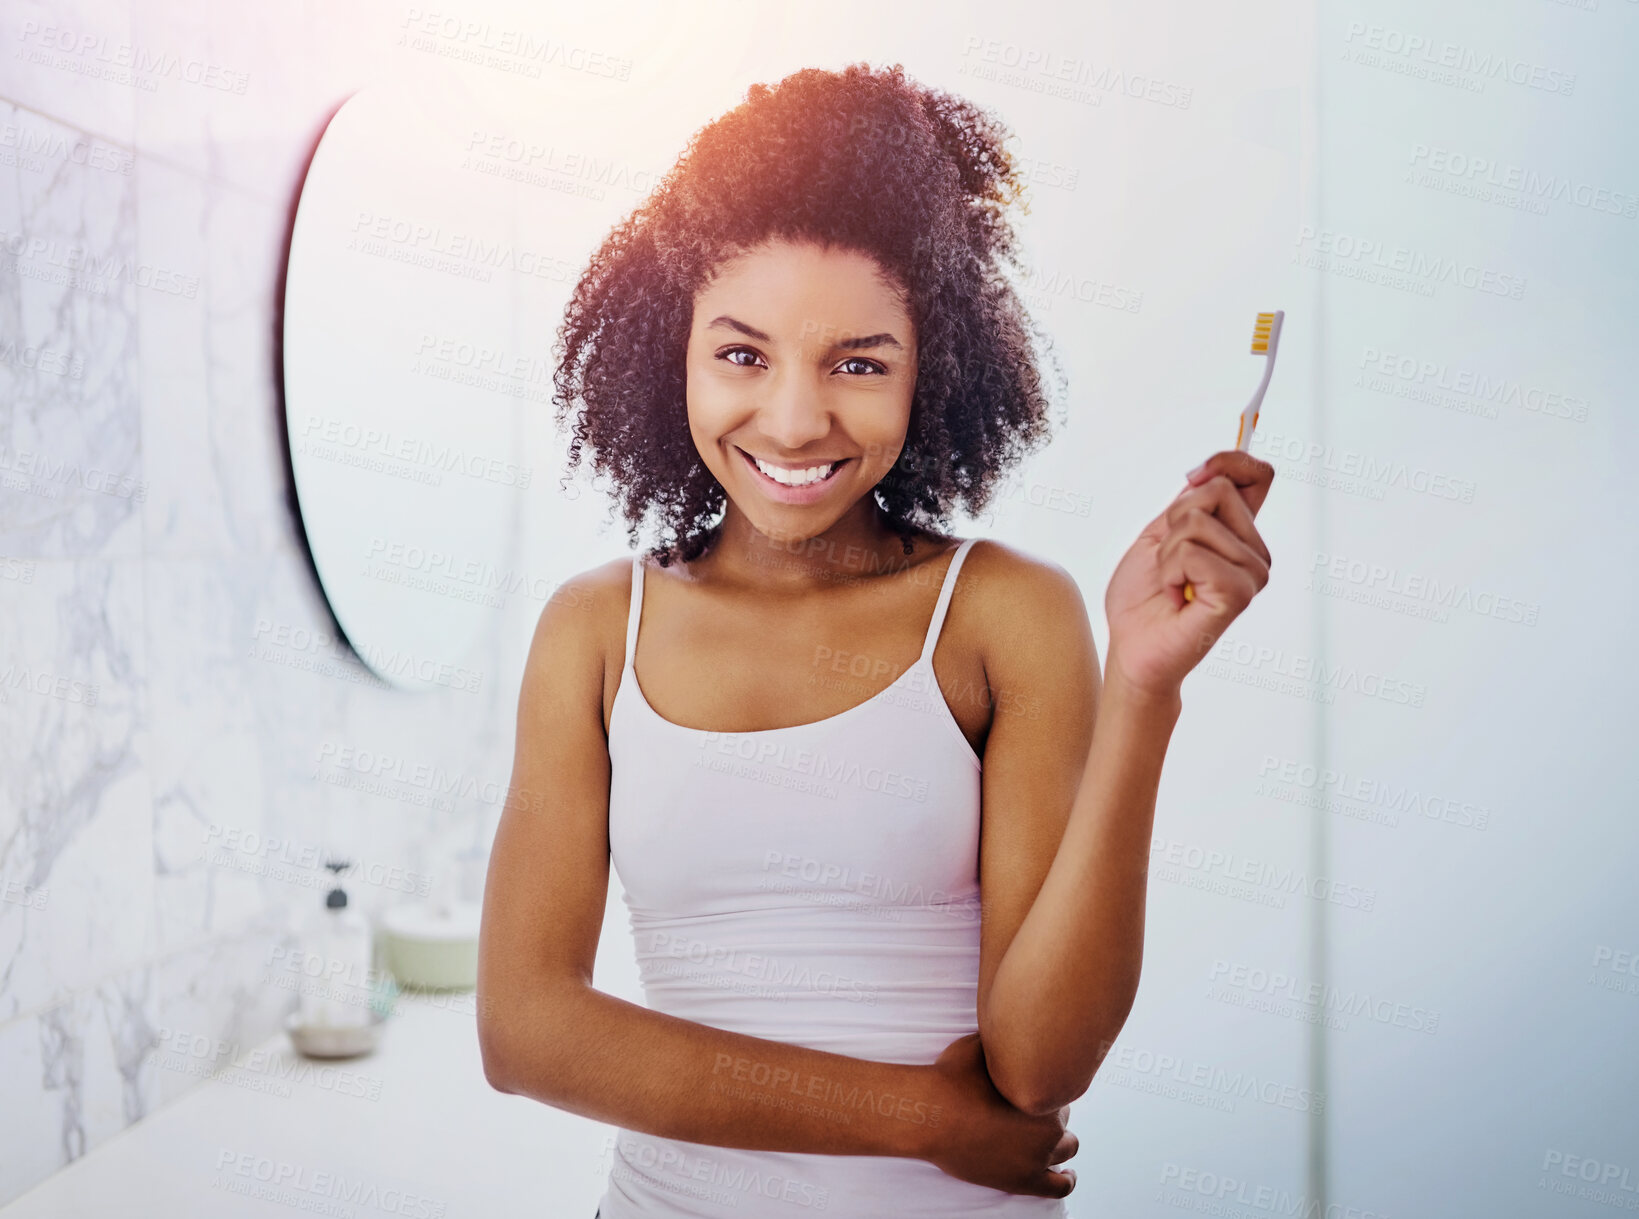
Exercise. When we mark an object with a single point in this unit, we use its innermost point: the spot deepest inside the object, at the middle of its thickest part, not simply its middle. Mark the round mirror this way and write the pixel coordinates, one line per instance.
(403, 384)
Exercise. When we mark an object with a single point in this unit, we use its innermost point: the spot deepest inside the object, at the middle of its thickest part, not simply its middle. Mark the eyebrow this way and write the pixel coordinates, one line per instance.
(870, 340)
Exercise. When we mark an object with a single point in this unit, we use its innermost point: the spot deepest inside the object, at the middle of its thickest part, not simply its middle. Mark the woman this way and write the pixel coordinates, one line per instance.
(800, 354)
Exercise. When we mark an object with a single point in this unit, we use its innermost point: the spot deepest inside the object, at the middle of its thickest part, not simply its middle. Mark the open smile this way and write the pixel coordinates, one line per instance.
(793, 484)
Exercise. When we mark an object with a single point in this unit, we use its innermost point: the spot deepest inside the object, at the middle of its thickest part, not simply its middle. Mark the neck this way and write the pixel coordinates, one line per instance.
(859, 546)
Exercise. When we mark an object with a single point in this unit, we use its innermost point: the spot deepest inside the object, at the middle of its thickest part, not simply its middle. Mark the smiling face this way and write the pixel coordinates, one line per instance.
(804, 358)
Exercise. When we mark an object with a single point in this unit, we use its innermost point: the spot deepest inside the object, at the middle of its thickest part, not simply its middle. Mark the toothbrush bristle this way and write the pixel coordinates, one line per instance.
(1261, 331)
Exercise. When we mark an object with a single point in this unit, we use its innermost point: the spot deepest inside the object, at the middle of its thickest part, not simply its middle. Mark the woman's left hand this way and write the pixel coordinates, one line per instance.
(1206, 538)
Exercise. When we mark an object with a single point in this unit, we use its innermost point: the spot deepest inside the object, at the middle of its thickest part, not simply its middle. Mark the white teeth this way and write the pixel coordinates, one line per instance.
(796, 478)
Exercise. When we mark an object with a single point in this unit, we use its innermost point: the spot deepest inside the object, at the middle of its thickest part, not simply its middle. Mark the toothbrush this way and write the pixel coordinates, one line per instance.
(1265, 341)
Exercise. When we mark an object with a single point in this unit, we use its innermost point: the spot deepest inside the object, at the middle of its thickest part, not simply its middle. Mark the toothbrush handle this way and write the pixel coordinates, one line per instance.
(1249, 416)
(1243, 433)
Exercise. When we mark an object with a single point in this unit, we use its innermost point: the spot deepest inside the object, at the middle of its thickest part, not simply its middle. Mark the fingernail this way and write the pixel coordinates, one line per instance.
(1197, 470)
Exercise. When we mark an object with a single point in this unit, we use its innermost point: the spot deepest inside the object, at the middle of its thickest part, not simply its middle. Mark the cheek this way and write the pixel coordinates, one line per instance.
(707, 404)
(882, 433)
(710, 414)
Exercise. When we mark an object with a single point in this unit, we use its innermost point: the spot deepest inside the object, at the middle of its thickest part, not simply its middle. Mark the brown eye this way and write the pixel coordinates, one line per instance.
(868, 367)
(730, 352)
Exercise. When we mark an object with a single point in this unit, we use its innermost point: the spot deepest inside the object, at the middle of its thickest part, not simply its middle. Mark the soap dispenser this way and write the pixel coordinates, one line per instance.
(340, 953)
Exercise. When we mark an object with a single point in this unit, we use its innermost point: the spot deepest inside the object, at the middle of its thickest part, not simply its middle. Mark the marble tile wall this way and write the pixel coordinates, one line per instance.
(161, 780)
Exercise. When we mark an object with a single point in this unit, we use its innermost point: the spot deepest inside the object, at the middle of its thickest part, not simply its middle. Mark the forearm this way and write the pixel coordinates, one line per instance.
(593, 1054)
(1068, 978)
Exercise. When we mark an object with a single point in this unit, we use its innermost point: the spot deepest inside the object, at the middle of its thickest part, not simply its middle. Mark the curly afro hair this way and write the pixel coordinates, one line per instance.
(862, 159)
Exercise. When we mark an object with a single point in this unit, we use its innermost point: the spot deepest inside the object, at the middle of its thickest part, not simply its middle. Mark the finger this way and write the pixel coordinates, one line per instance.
(1066, 1149)
(1056, 1184)
(1205, 568)
(1157, 528)
(1252, 476)
(1211, 532)
(1245, 469)
(1220, 497)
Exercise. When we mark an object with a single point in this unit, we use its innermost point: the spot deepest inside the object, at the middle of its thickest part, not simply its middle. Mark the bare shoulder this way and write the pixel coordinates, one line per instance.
(1031, 629)
(1022, 605)
(585, 617)
(608, 587)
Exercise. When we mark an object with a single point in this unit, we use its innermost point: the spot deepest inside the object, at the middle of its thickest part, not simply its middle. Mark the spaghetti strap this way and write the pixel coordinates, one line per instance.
(945, 591)
(636, 610)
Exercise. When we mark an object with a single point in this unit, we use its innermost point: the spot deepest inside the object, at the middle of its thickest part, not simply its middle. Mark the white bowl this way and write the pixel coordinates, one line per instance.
(432, 948)
(334, 1040)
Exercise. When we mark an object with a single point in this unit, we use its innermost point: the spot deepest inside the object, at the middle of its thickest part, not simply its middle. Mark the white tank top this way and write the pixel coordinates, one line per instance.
(815, 885)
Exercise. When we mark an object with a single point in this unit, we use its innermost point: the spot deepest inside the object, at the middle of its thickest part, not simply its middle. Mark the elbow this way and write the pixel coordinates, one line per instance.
(1033, 1089)
(491, 1050)
(500, 1015)
(1041, 1101)
(494, 1072)
(1041, 1083)
(515, 1058)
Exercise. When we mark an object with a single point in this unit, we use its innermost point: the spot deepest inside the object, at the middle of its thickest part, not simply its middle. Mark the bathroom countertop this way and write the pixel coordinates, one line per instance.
(411, 1130)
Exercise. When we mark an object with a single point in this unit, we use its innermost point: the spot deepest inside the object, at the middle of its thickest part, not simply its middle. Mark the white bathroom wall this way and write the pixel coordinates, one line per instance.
(175, 710)
(1478, 366)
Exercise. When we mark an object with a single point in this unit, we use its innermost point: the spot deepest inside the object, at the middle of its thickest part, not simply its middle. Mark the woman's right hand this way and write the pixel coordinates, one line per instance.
(984, 1139)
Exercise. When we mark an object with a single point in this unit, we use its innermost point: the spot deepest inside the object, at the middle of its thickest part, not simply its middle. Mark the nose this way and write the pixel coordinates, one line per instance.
(794, 413)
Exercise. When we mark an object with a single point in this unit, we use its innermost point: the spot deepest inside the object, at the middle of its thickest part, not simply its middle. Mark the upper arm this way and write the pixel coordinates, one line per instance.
(1042, 671)
(549, 866)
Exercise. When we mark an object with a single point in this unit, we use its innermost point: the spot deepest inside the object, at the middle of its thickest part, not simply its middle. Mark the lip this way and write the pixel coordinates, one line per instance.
(780, 493)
